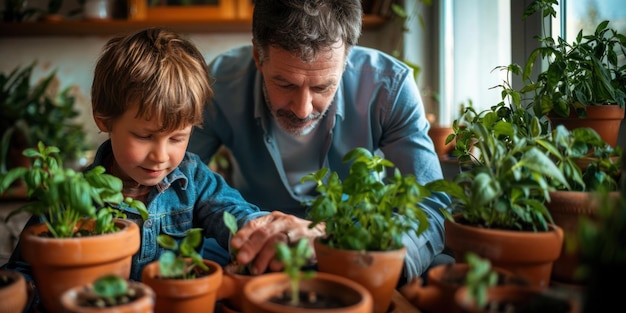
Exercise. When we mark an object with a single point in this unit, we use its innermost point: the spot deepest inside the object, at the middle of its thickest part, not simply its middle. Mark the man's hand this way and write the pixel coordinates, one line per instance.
(257, 240)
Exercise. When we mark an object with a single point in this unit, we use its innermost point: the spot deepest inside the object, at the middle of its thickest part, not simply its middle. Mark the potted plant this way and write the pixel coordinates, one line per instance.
(498, 206)
(109, 293)
(437, 293)
(584, 85)
(181, 279)
(366, 216)
(13, 291)
(35, 112)
(481, 293)
(590, 164)
(296, 289)
(78, 217)
(587, 162)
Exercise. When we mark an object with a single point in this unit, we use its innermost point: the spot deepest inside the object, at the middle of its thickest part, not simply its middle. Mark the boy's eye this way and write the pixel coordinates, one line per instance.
(142, 136)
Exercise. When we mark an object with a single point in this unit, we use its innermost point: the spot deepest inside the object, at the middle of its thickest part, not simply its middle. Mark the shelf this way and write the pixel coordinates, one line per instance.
(112, 27)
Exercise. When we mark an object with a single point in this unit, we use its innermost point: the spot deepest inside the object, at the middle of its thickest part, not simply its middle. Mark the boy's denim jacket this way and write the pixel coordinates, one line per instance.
(191, 196)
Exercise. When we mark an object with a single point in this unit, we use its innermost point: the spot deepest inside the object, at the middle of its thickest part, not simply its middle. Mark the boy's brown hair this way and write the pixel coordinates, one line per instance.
(156, 69)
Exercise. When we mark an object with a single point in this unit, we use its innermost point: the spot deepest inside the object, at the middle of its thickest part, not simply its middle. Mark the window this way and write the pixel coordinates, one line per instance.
(476, 36)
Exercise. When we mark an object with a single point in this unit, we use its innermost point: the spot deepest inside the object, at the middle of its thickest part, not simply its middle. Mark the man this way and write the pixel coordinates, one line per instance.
(301, 97)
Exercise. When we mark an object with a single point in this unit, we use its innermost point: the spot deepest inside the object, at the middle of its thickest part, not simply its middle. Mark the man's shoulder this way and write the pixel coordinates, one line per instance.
(237, 53)
(360, 51)
(369, 60)
(232, 61)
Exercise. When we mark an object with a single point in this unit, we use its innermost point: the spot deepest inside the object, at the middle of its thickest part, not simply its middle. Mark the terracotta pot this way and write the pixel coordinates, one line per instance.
(230, 292)
(566, 208)
(438, 135)
(529, 255)
(377, 271)
(144, 303)
(60, 264)
(14, 295)
(604, 119)
(184, 295)
(442, 282)
(260, 289)
(522, 298)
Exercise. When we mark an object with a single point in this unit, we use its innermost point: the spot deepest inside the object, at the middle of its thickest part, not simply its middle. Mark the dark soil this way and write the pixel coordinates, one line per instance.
(196, 271)
(310, 301)
(235, 268)
(89, 299)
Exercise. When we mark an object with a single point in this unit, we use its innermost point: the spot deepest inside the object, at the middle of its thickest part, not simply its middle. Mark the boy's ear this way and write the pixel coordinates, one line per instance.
(102, 126)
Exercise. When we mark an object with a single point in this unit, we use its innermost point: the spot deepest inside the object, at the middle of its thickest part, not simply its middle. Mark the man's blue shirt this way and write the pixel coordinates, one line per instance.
(377, 106)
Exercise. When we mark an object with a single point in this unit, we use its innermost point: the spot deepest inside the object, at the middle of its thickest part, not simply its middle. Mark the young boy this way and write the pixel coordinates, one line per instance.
(149, 91)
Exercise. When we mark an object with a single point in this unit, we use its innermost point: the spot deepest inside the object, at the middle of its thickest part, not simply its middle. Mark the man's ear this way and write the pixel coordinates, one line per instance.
(255, 55)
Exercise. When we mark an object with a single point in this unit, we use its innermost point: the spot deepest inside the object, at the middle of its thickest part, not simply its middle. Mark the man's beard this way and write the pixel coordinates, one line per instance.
(289, 122)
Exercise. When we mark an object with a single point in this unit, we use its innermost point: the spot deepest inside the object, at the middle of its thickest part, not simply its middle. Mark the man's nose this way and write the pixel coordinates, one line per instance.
(302, 106)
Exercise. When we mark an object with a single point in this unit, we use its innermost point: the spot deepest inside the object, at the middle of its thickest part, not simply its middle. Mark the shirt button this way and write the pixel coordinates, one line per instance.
(148, 223)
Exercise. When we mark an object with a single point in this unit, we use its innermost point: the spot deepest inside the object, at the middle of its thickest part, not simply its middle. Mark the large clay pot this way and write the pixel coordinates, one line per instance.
(604, 119)
(144, 303)
(231, 291)
(184, 295)
(527, 254)
(377, 271)
(439, 134)
(566, 208)
(14, 295)
(261, 288)
(60, 264)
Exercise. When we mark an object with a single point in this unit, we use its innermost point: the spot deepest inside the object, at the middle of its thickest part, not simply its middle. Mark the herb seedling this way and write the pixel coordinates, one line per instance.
(294, 259)
(231, 223)
(480, 277)
(173, 263)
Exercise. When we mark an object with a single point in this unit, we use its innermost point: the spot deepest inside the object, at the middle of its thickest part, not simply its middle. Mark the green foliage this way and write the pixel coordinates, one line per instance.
(584, 145)
(479, 278)
(568, 149)
(508, 175)
(173, 263)
(110, 286)
(17, 11)
(511, 159)
(367, 211)
(581, 73)
(294, 259)
(31, 113)
(63, 197)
